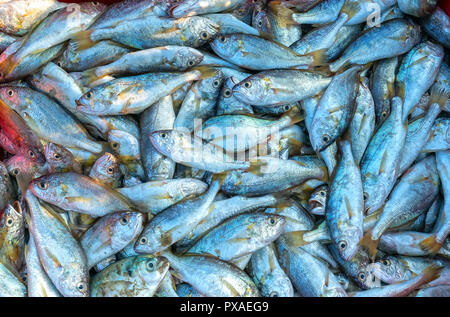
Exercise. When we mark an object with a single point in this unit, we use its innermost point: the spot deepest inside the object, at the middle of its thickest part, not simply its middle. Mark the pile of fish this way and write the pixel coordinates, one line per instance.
(224, 148)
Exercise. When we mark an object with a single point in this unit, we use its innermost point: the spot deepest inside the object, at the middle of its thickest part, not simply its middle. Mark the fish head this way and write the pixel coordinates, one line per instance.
(347, 241)
(261, 20)
(106, 168)
(49, 188)
(92, 9)
(212, 84)
(124, 144)
(318, 200)
(227, 46)
(188, 187)
(152, 268)
(124, 226)
(323, 132)
(188, 57)
(74, 281)
(365, 277)
(203, 29)
(188, 8)
(24, 170)
(58, 157)
(92, 101)
(277, 285)
(149, 240)
(12, 221)
(252, 90)
(14, 97)
(168, 141)
(389, 270)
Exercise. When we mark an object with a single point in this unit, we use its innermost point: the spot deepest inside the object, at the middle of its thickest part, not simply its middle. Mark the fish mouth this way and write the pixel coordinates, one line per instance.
(316, 207)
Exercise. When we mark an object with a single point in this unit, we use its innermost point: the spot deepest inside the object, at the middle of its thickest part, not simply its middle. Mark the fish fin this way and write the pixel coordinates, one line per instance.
(284, 15)
(431, 273)
(439, 95)
(338, 65)
(82, 40)
(238, 240)
(383, 162)
(206, 71)
(431, 244)
(295, 115)
(348, 207)
(370, 245)
(256, 167)
(295, 238)
(265, 35)
(219, 177)
(320, 57)
(350, 8)
(89, 76)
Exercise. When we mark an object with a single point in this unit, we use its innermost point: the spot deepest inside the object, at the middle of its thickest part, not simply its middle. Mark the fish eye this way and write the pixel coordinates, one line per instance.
(216, 83)
(110, 170)
(386, 262)
(342, 245)
(43, 185)
(56, 156)
(259, 23)
(365, 196)
(80, 286)
(227, 93)
(15, 172)
(31, 154)
(286, 108)
(326, 138)
(272, 221)
(123, 220)
(222, 38)
(150, 265)
(115, 145)
(204, 35)
(10, 93)
(322, 193)
(89, 95)
(247, 84)
(274, 294)
(9, 222)
(164, 135)
(191, 63)
(95, 3)
(143, 240)
(362, 276)
(59, 64)
(384, 114)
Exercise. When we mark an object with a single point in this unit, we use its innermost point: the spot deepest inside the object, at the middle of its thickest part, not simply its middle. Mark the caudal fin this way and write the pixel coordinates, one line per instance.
(368, 244)
(431, 273)
(82, 40)
(439, 95)
(430, 244)
(295, 238)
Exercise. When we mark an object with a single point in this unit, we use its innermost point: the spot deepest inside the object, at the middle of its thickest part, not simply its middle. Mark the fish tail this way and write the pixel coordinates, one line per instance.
(320, 57)
(295, 238)
(256, 167)
(8, 66)
(350, 8)
(339, 64)
(430, 244)
(89, 76)
(206, 71)
(439, 95)
(82, 40)
(284, 15)
(369, 244)
(431, 273)
(219, 177)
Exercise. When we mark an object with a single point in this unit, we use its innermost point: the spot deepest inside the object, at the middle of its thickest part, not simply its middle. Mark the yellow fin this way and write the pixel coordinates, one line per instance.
(430, 244)
(368, 244)
(82, 40)
(295, 238)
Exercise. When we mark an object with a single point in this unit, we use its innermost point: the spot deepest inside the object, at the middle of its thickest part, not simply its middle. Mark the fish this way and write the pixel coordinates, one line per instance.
(417, 8)
(109, 235)
(240, 236)
(79, 193)
(63, 258)
(138, 276)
